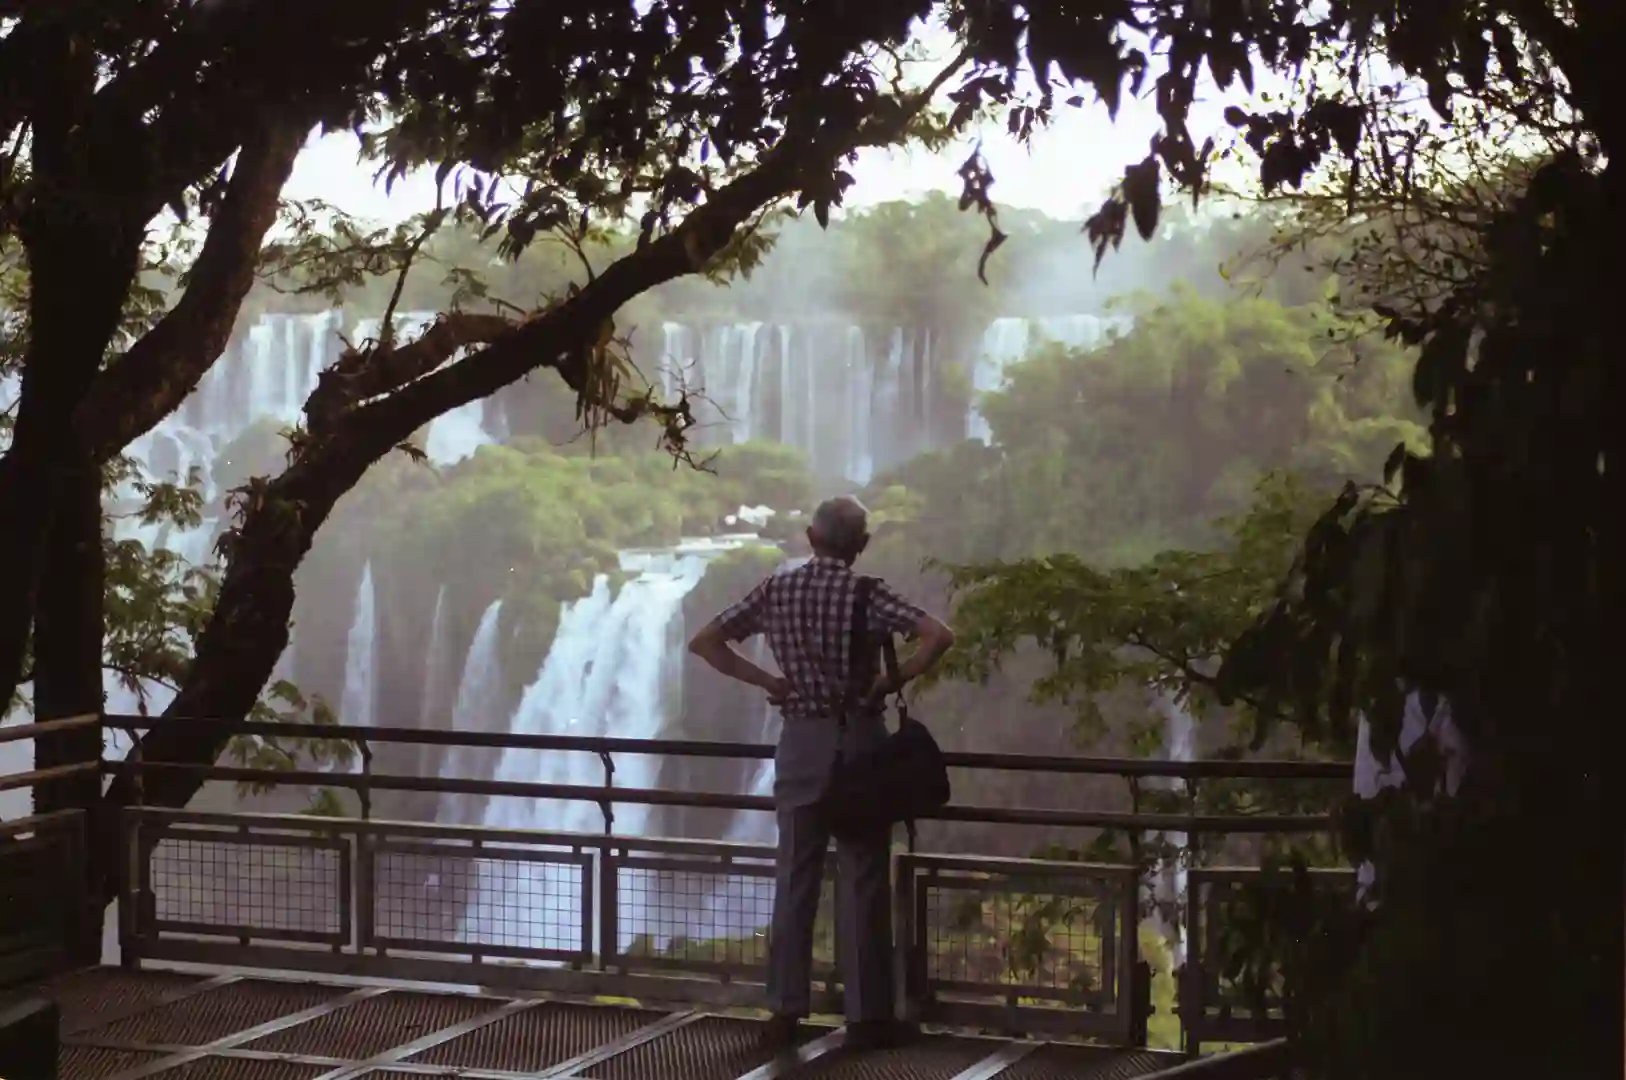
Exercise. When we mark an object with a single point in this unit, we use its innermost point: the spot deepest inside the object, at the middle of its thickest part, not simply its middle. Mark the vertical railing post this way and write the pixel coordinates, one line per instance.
(1134, 982)
(363, 883)
(920, 958)
(609, 931)
(128, 900)
(1130, 1023)
(1189, 989)
(1193, 856)
(586, 908)
(605, 804)
(903, 935)
(136, 757)
(365, 791)
(136, 905)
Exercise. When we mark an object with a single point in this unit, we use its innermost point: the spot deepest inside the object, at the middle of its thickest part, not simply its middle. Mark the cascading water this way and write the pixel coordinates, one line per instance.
(360, 656)
(434, 670)
(1009, 341)
(479, 693)
(754, 827)
(603, 676)
(1004, 342)
(816, 386)
(607, 674)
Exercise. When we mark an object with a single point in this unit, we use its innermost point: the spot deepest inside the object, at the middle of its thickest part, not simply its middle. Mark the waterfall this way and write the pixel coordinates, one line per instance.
(356, 706)
(1010, 341)
(608, 673)
(479, 693)
(433, 696)
(860, 379)
(1004, 342)
(818, 386)
(457, 434)
(749, 826)
(602, 677)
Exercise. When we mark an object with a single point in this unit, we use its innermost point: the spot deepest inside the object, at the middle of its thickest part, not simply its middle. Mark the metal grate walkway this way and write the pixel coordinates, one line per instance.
(119, 1025)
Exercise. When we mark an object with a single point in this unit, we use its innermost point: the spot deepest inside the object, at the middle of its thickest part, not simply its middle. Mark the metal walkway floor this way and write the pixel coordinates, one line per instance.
(119, 1025)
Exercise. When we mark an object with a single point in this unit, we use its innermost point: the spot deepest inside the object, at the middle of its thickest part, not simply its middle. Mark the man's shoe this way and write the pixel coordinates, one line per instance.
(866, 1035)
(781, 1034)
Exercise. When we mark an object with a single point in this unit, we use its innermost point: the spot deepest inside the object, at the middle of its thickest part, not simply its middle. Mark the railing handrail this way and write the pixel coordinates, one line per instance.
(19, 732)
(34, 822)
(35, 777)
(1179, 823)
(1214, 768)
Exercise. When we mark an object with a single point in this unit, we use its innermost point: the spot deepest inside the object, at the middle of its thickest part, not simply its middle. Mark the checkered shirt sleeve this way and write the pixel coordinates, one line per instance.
(748, 617)
(891, 613)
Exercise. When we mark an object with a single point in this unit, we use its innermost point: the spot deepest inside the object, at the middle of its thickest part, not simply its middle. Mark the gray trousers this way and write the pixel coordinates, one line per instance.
(863, 917)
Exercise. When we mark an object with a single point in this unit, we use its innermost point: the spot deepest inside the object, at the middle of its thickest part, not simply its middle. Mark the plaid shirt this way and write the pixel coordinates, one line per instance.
(807, 614)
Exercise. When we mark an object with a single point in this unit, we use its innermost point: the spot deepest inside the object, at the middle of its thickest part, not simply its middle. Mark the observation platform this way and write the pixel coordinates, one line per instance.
(277, 946)
(170, 1025)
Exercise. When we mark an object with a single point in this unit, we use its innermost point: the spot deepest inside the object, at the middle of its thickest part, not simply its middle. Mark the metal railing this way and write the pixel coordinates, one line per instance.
(33, 778)
(650, 919)
(1217, 1002)
(607, 795)
(44, 923)
(1017, 945)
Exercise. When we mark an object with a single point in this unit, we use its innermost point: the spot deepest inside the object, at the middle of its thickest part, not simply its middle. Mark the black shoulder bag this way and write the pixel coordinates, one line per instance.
(901, 779)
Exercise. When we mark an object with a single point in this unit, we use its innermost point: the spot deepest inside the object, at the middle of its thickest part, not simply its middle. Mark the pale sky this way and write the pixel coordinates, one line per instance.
(1065, 173)
(1070, 165)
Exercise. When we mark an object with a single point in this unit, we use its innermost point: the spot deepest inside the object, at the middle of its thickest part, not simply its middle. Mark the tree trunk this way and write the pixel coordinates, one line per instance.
(68, 637)
(80, 273)
(68, 661)
(237, 651)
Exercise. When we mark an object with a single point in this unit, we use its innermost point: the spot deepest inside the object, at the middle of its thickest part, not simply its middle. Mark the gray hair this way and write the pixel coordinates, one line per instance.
(840, 524)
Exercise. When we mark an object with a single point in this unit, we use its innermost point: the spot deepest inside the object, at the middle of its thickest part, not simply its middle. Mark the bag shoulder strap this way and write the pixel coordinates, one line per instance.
(858, 675)
(889, 655)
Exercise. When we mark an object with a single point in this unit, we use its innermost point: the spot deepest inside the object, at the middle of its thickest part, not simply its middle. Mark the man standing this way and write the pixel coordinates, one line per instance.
(807, 615)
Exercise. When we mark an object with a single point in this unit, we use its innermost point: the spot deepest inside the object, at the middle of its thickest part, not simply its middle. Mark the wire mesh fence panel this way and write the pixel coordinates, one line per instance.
(483, 899)
(995, 936)
(702, 911)
(275, 886)
(1240, 922)
(1005, 939)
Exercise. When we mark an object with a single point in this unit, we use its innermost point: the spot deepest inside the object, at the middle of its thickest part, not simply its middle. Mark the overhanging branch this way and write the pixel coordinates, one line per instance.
(359, 375)
(157, 373)
(559, 337)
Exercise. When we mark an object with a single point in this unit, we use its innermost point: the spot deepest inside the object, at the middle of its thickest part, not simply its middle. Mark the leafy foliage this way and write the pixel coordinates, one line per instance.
(1160, 624)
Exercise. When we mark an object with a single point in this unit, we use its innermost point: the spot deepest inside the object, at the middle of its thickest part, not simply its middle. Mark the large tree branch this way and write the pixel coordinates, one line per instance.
(558, 337)
(151, 380)
(361, 374)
